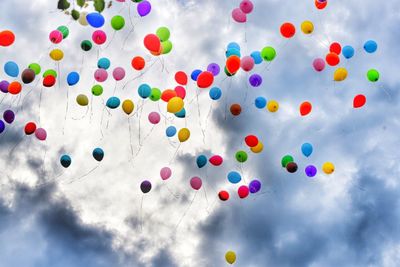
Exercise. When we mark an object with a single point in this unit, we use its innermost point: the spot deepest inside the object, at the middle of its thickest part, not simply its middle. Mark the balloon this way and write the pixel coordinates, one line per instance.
(128, 106)
(359, 101)
(103, 63)
(86, 45)
(216, 160)
(118, 73)
(291, 167)
(340, 74)
(30, 128)
(254, 186)
(241, 156)
(306, 149)
(181, 114)
(165, 173)
(238, 15)
(82, 19)
(183, 134)
(232, 52)
(35, 67)
(170, 131)
(95, 19)
(82, 100)
(64, 31)
(152, 43)
(319, 64)
(49, 81)
(100, 75)
(311, 171)
(261, 102)
(348, 51)
(7, 38)
(154, 117)
(328, 167)
(332, 59)
(234, 177)
(14, 88)
(166, 47)
(41, 134)
(65, 161)
(11, 69)
(98, 154)
(373, 75)
(233, 64)
(288, 30)
(50, 72)
(201, 161)
(272, 106)
(73, 78)
(223, 195)
(167, 95)
(145, 186)
(195, 74)
(27, 76)
(144, 91)
(305, 108)
(258, 148)
(2, 126)
(4, 86)
(320, 5)
(205, 79)
(255, 80)
(243, 191)
(370, 46)
(335, 48)
(256, 55)
(144, 8)
(8, 116)
(268, 53)
(155, 94)
(307, 27)
(97, 90)
(233, 45)
(163, 33)
(181, 78)
(247, 63)
(228, 73)
(196, 183)
(251, 140)
(214, 69)
(55, 37)
(99, 37)
(215, 93)
(117, 22)
(180, 92)
(138, 63)
(236, 109)
(246, 6)
(113, 102)
(175, 105)
(286, 159)
(230, 257)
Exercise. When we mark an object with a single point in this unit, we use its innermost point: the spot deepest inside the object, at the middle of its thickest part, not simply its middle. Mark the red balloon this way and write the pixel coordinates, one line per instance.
(305, 108)
(236, 109)
(138, 63)
(332, 59)
(288, 30)
(7, 38)
(168, 94)
(30, 128)
(243, 191)
(14, 88)
(152, 43)
(251, 140)
(216, 160)
(205, 79)
(180, 91)
(49, 81)
(223, 195)
(233, 64)
(359, 101)
(320, 5)
(335, 48)
(181, 78)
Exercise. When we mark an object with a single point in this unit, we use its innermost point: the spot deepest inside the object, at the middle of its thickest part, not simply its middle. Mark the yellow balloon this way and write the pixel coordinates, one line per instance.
(258, 148)
(230, 257)
(328, 167)
(82, 100)
(340, 74)
(175, 104)
(56, 54)
(273, 106)
(128, 106)
(82, 19)
(307, 27)
(183, 134)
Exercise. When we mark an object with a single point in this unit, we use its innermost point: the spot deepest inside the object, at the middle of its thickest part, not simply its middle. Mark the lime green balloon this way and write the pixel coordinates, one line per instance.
(268, 53)
(97, 89)
(117, 22)
(241, 156)
(163, 33)
(64, 30)
(166, 47)
(286, 159)
(82, 100)
(373, 75)
(155, 94)
(50, 72)
(35, 67)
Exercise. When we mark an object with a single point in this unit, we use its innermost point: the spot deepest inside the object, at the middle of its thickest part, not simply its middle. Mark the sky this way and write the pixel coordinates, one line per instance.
(94, 214)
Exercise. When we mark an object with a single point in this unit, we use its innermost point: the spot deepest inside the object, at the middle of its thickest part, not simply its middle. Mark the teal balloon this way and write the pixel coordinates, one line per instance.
(98, 154)
(65, 161)
(215, 93)
(233, 45)
(370, 46)
(234, 177)
(11, 69)
(73, 78)
(201, 161)
(113, 102)
(181, 114)
(307, 149)
(348, 51)
(170, 131)
(144, 90)
(232, 52)
(103, 63)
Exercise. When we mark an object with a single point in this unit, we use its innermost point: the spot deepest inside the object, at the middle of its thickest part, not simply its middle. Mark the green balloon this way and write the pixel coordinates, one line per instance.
(97, 89)
(64, 30)
(117, 22)
(86, 45)
(228, 73)
(286, 159)
(241, 156)
(50, 72)
(137, 1)
(35, 67)
(163, 33)
(373, 75)
(166, 47)
(155, 94)
(268, 53)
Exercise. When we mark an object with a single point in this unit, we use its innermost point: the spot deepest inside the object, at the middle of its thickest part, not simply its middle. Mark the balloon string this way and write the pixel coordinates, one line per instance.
(83, 116)
(170, 191)
(199, 114)
(111, 40)
(40, 102)
(66, 111)
(140, 75)
(174, 156)
(83, 176)
(184, 214)
(130, 136)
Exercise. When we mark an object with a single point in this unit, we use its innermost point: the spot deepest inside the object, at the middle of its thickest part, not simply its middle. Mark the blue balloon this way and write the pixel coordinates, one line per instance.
(98, 154)
(103, 63)
(95, 19)
(2, 126)
(73, 78)
(195, 74)
(233, 45)
(113, 102)
(170, 131)
(215, 93)
(11, 69)
(234, 177)
(370, 46)
(256, 55)
(348, 51)
(65, 161)
(201, 161)
(232, 52)
(144, 90)
(307, 149)
(261, 102)
(181, 114)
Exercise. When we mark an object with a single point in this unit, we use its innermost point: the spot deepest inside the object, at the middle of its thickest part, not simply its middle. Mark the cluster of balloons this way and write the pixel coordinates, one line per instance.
(98, 155)
(8, 117)
(61, 33)
(159, 43)
(239, 14)
(31, 128)
(255, 145)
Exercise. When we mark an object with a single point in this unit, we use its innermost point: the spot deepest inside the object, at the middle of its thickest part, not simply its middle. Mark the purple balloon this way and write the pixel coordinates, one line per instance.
(255, 80)
(2, 126)
(4, 86)
(254, 186)
(144, 8)
(311, 170)
(145, 186)
(213, 68)
(8, 116)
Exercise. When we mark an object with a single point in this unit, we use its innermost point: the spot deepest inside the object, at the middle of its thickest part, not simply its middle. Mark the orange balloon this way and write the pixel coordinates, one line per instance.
(7, 38)
(168, 94)
(236, 109)
(233, 64)
(305, 108)
(138, 63)
(320, 5)
(332, 59)
(14, 88)
(288, 30)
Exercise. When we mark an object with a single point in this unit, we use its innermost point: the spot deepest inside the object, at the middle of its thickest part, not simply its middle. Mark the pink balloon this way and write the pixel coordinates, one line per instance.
(55, 37)
(246, 6)
(247, 63)
(99, 37)
(154, 117)
(196, 183)
(319, 64)
(180, 91)
(118, 73)
(100, 75)
(165, 173)
(216, 160)
(41, 134)
(238, 15)
(121, 1)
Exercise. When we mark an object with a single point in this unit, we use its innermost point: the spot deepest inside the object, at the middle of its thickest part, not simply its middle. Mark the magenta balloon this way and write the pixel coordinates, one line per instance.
(154, 117)
(165, 173)
(246, 6)
(247, 63)
(196, 183)
(144, 8)
(100, 75)
(41, 134)
(55, 37)
(238, 15)
(319, 64)
(99, 37)
(118, 73)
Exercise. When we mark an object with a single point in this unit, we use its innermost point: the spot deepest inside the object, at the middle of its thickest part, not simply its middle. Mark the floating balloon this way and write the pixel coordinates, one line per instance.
(230, 257)
(247, 63)
(251, 140)
(348, 51)
(370, 46)
(11, 69)
(319, 64)
(288, 30)
(113, 102)
(167, 95)
(145, 186)
(234, 177)
(183, 135)
(64, 31)
(236, 109)
(320, 5)
(216, 160)
(55, 37)
(49, 81)
(196, 183)
(99, 37)
(14, 88)
(213, 68)
(56, 54)
(100, 75)
(246, 6)
(82, 100)
(205, 79)
(201, 161)
(328, 167)
(103, 63)
(241, 156)
(332, 59)
(215, 93)
(291, 167)
(268, 53)
(238, 15)
(152, 43)
(254, 186)
(195, 74)
(232, 52)
(97, 90)
(181, 78)
(65, 161)
(359, 101)
(175, 105)
(258, 148)
(117, 22)
(2, 126)
(335, 48)
(30, 128)
(256, 55)
(373, 75)
(144, 91)
(223, 195)
(306, 149)
(255, 80)
(233, 45)
(28, 76)
(50, 72)
(4, 86)
(311, 171)
(165, 173)
(144, 8)
(82, 18)
(272, 106)
(95, 19)
(243, 191)
(181, 114)
(154, 117)
(233, 64)
(41, 134)
(128, 106)
(9, 116)
(170, 131)
(163, 33)
(35, 67)
(305, 108)
(286, 159)
(340, 74)
(118, 73)
(86, 45)
(307, 27)
(261, 102)
(98, 154)
(7, 38)
(138, 63)
(73, 78)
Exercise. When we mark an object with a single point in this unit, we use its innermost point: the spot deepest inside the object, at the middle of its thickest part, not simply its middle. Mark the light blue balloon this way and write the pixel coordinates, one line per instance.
(232, 52)
(113, 102)
(233, 45)
(307, 149)
(73, 78)
(261, 102)
(201, 161)
(170, 131)
(11, 69)
(103, 63)
(256, 55)
(181, 114)
(144, 90)
(215, 93)
(348, 51)
(370, 46)
(234, 177)
(95, 19)
(195, 74)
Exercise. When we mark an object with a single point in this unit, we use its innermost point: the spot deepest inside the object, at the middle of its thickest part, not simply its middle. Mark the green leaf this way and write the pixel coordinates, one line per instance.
(80, 3)
(63, 4)
(99, 5)
(75, 14)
